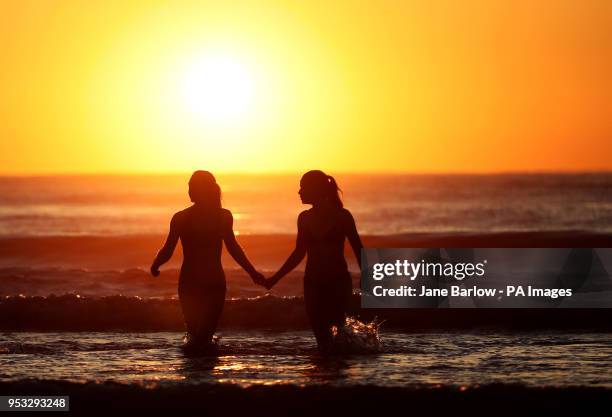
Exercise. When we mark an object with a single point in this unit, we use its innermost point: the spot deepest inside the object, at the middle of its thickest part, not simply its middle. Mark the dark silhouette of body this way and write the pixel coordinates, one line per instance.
(202, 228)
(322, 231)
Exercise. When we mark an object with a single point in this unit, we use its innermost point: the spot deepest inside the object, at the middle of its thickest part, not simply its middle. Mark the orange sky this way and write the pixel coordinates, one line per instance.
(419, 86)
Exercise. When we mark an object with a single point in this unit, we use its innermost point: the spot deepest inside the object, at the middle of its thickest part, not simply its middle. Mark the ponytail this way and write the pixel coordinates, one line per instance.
(334, 191)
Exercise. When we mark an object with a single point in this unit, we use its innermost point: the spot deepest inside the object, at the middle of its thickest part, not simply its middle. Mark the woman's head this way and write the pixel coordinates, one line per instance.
(317, 187)
(204, 190)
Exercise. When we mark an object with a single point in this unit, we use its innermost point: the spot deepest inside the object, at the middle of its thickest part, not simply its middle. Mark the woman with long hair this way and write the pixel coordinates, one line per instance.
(322, 231)
(202, 228)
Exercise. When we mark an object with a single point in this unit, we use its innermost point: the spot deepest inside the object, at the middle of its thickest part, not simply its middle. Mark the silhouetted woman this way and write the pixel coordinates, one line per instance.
(202, 228)
(321, 234)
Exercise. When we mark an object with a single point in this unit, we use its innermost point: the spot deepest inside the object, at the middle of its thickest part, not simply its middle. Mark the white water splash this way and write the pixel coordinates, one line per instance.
(193, 346)
(357, 337)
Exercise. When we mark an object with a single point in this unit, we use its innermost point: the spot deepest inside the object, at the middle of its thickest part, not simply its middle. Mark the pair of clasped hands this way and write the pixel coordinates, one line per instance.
(259, 279)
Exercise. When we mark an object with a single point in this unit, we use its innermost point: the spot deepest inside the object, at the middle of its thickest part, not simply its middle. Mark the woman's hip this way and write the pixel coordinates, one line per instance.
(189, 287)
(338, 288)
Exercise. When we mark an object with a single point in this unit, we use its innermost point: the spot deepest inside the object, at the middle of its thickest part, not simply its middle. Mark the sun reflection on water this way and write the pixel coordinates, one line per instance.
(246, 359)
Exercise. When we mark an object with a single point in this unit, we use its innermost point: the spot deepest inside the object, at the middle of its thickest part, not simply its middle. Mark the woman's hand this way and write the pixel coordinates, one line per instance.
(154, 270)
(270, 282)
(258, 278)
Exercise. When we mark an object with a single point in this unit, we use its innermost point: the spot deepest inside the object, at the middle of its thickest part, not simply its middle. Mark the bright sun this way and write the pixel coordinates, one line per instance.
(218, 88)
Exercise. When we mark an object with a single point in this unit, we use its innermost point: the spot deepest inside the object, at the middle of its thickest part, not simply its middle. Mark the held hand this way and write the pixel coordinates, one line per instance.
(270, 282)
(258, 278)
(154, 270)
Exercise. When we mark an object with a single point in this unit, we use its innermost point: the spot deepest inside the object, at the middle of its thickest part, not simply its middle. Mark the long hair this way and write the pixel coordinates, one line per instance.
(204, 190)
(324, 186)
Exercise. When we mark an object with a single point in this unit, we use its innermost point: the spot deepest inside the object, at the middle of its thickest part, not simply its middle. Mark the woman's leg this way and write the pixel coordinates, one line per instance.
(191, 312)
(202, 309)
(326, 306)
(211, 309)
(342, 297)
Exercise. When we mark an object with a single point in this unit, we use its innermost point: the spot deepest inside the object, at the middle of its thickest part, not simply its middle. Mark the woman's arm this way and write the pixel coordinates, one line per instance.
(236, 251)
(294, 259)
(165, 253)
(353, 236)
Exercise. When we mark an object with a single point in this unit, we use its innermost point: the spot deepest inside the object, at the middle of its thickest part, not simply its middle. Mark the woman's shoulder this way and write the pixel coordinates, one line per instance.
(227, 219)
(225, 212)
(304, 214)
(344, 212)
(340, 211)
(346, 218)
(181, 214)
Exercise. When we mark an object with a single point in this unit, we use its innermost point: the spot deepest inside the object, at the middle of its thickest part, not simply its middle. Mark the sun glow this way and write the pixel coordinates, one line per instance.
(218, 88)
(238, 87)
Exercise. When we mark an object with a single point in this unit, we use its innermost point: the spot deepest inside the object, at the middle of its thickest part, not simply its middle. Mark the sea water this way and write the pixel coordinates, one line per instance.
(268, 204)
(265, 357)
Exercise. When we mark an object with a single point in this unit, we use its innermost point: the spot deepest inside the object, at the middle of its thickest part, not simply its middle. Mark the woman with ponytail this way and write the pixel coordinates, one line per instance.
(322, 231)
(202, 228)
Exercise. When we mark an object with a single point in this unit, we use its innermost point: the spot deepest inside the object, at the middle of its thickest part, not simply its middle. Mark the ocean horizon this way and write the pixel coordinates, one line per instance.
(382, 204)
